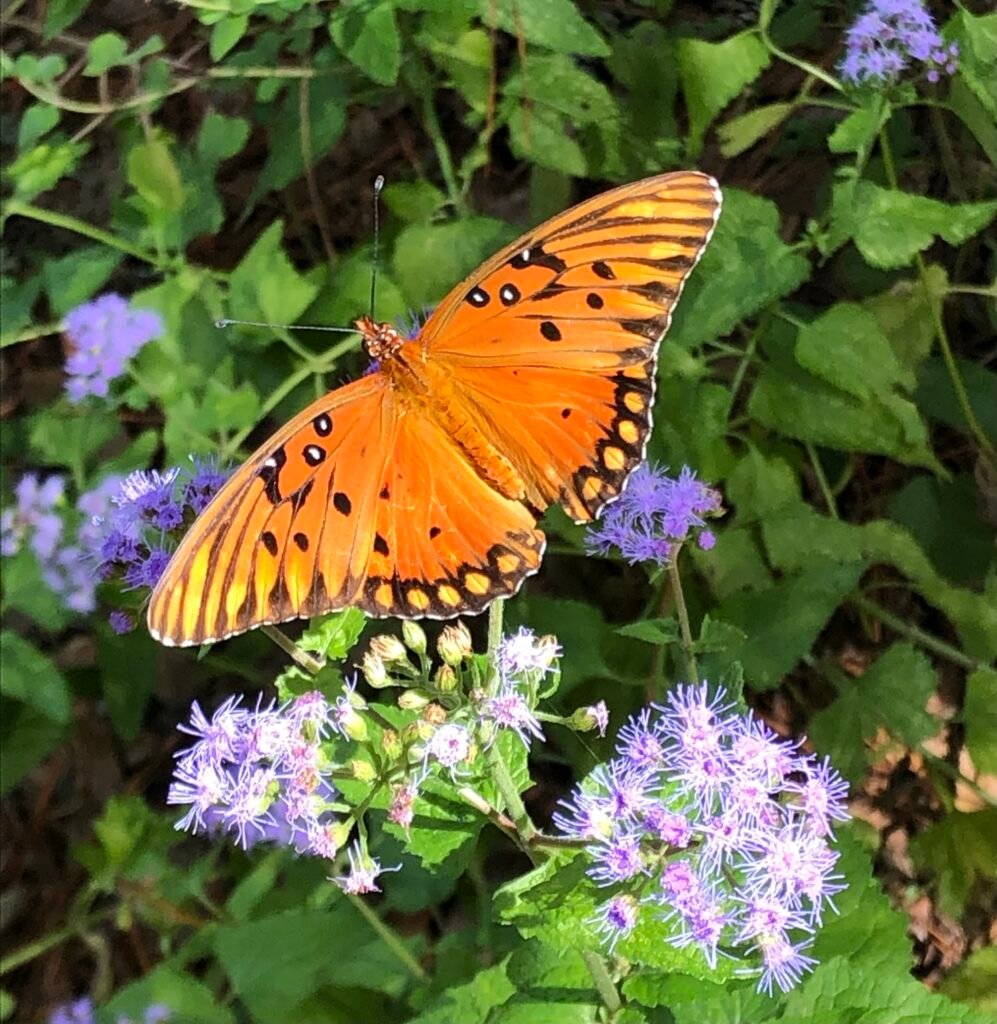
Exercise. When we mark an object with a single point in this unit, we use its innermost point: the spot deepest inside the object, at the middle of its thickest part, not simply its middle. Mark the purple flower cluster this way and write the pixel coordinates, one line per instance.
(707, 813)
(135, 523)
(888, 37)
(654, 514)
(33, 520)
(104, 334)
(259, 775)
(81, 1011)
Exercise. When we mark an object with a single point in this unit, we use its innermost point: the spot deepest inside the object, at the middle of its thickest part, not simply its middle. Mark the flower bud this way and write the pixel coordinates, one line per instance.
(362, 771)
(339, 833)
(400, 810)
(348, 721)
(594, 717)
(374, 671)
(454, 644)
(445, 679)
(414, 637)
(435, 714)
(391, 744)
(388, 648)
(413, 700)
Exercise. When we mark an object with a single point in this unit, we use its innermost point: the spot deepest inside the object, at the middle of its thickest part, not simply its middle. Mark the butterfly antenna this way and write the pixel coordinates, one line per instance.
(378, 185)
(227, 322)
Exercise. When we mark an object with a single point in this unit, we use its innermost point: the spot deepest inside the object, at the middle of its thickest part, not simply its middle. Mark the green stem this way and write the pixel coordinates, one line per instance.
(391, 940)
(917, 635)
(825, 487)
(810, 69)
(432, 123)
(35, 949)
(60, 102)
(936, 316)
(603, 982)
(15, 208)
(747, 358)
(987, 291)
(688, 650)
(311, 665)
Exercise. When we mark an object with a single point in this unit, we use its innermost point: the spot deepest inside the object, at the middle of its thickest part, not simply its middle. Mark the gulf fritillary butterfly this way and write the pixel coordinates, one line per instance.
(416, 490)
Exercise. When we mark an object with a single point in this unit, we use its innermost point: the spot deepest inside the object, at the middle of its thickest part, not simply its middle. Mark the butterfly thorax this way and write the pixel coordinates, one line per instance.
(419, 383)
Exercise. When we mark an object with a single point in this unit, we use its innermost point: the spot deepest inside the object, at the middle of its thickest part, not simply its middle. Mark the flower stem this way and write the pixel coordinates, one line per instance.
(391, 940)
(688, 648)
(603, 982)
(15, 208)
(302, 658)
(30, 333)
(825, 487)
(936, 317)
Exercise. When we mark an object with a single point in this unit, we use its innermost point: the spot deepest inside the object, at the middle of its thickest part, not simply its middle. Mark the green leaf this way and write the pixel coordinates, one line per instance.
(429, 259)
(977, 712)
(225, 34)
(782, 622)
(540, 136)
(474, 1002)
(554, 24)
(333, 636)
(890, 228)
(974, 981)
(745, 268)
(29, 676)
(698, 1001)
(977, 39)
(28, 738)
(958, 849)
(273, 965)
(845, 347)
(220, 137)
(857, 132)
(890, 695)
(60, 14)
(25, 590)
(106, 51)
(937, 397)
(741, 133)
(966, 105)
(126, 692)
(189, 1000)
(712, 74)
(415, 202)
(154, 175)
(849, 991)
(78, 276)
(265, 285)
(367, 33)
(652, 631)
(38, 119)
(905, 317)
(41, 168)
(346, 293)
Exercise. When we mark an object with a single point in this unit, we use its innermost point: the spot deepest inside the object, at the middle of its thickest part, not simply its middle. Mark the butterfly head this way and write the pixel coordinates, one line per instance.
(381, 340)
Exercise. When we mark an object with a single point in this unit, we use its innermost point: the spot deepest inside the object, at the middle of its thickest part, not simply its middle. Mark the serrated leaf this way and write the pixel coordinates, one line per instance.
(904, 315)
(474, 1002)
(42, 167)
(857, 132)
(712, 74)
(958, 849)
(333, 636)
(29, 676)
(154, 175)
(977, 39)
(741, 133)
(974, 981)
(782, 622)
(554, 24)
(367, 33)
(189, 1000)
(890, 695)
(746, 267)
(413, 201)
(76, 277)
(266, 286)
(652, 631)
(977, 714)
(845, 347)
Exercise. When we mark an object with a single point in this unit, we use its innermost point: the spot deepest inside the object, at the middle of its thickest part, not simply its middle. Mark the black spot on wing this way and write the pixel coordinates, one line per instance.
(269, 542)
(341, 503)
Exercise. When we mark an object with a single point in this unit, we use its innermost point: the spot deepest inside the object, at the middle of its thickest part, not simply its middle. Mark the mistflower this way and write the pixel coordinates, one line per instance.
(363, 874)
(450, 745)
(707, 812)
(258, 775)
(617, 918)
(103, 335)
(508, 709)
(888, 37)
(655, 513)
(401, 809)
(80, 1011)
(33, 519)
(525, 654)
(133, 524)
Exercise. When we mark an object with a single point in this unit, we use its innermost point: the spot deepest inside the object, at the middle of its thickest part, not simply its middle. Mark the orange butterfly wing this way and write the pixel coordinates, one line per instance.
(552, 343)
(534, 381)
(358, 501)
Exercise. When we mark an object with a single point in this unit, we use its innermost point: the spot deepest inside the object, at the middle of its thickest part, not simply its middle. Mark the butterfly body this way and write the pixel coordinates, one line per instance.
(416, 490)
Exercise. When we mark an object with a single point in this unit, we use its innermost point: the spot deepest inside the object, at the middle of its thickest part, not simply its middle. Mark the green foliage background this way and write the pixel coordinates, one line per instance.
(829, 369)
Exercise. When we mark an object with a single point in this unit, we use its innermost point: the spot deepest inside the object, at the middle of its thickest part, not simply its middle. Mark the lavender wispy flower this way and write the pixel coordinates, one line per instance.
(363, 874)
(103, 335)
(33, 519)
(891, 36)
(258, 774)
(706, 813)
(654, 513)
